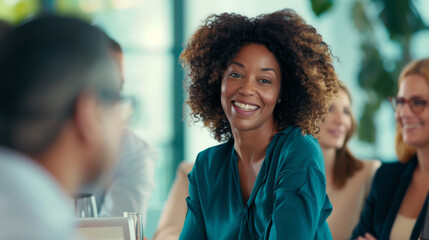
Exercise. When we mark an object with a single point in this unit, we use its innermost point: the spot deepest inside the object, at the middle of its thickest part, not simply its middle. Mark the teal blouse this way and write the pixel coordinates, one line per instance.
(288, 200)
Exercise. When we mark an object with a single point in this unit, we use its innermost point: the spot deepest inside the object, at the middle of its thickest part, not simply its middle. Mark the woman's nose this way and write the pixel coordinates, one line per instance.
(337, 117)
(247, 87)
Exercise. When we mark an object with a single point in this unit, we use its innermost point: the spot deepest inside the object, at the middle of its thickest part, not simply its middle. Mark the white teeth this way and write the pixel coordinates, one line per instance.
(412, 125)
(245, 107)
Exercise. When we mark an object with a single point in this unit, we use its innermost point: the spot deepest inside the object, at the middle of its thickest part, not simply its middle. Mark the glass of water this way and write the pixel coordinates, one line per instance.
(85, 205)
(138, 223)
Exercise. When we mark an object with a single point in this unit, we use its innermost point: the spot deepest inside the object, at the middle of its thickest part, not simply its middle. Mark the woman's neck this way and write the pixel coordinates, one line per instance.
(329, 155)
(423, 159)
(251, 145)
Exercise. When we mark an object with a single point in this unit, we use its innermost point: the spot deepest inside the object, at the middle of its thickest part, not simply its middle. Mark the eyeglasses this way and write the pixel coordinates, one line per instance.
(417, 104)
(127, 106)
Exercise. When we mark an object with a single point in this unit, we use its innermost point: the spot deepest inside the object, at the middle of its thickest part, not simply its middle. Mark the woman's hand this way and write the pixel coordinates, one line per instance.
(367, 236)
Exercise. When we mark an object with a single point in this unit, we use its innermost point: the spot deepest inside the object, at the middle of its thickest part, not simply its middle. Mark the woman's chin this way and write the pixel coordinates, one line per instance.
(417, 143)
(244, 125)
(334, 144)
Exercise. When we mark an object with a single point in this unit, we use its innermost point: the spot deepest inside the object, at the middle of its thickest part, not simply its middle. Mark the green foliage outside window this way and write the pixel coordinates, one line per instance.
(378, 73)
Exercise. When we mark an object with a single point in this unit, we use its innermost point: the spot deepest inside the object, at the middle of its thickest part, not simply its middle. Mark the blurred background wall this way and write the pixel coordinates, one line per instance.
(372, 39)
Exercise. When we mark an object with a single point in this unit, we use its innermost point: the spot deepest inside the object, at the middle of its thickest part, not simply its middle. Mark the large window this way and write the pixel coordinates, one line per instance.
(145, 30)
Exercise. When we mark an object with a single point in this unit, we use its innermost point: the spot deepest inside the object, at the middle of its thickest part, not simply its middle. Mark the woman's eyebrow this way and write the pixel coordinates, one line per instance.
(238, 64)
(262, 69)
(268, 69)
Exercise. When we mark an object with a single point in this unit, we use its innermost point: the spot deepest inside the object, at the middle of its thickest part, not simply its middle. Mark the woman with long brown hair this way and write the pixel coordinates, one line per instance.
(396, 205)
(348, 179)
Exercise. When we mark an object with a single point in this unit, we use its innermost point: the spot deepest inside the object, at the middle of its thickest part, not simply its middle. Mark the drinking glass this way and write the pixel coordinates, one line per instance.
(85, 205)
(137, 222)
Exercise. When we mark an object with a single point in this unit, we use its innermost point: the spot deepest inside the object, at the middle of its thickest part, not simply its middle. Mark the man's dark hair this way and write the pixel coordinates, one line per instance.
(45, 65)
(114, 45)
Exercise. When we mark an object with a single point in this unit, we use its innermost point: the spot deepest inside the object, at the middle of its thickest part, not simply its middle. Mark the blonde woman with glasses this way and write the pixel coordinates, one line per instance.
(396, 205)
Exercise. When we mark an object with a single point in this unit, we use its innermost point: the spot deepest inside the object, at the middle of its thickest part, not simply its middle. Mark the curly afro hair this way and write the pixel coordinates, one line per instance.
(308, 84)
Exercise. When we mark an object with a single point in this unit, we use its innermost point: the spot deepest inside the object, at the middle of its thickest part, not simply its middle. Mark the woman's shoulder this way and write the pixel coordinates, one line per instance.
(213, 157)
(380, 167)
(215, 151)
(388, 173)
(365, 175)
(294, 139)
(298, 150)
(390, 168)
(369, 166)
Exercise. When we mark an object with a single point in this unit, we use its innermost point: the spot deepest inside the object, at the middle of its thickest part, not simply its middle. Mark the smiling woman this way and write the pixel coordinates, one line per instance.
(348, 178)
(261, 85)
(397, 203)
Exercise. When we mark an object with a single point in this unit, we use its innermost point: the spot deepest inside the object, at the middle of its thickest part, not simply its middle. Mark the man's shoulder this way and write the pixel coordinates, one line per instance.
(32, 203)
(23, 219)
(132, 140)
(135, 148)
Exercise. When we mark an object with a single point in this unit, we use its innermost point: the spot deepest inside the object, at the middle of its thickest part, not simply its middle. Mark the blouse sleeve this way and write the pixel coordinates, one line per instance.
(300, 211)
(301, 205)
(194, 227)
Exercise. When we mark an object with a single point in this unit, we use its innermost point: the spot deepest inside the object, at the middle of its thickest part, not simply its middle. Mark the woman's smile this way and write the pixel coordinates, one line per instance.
(337, 133)
(244, 108)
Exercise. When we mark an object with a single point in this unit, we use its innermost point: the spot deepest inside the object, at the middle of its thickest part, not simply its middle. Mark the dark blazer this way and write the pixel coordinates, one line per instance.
(384, 200)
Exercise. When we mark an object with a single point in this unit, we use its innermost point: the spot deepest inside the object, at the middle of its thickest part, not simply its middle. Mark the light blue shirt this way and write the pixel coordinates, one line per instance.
(128, 187)
(33, 206)
(288, 200)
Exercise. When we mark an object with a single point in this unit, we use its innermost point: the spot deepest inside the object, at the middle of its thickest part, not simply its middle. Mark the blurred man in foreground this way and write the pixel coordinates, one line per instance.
(127, 188)
(60, 123)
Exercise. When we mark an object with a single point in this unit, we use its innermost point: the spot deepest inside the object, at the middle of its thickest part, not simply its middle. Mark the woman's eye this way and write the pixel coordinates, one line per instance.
(265, 81)
(418, 102)
(235, 75)
(347, 111)
(331, 108)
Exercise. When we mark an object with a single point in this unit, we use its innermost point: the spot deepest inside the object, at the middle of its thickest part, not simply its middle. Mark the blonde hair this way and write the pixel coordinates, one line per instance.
(419, 67)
